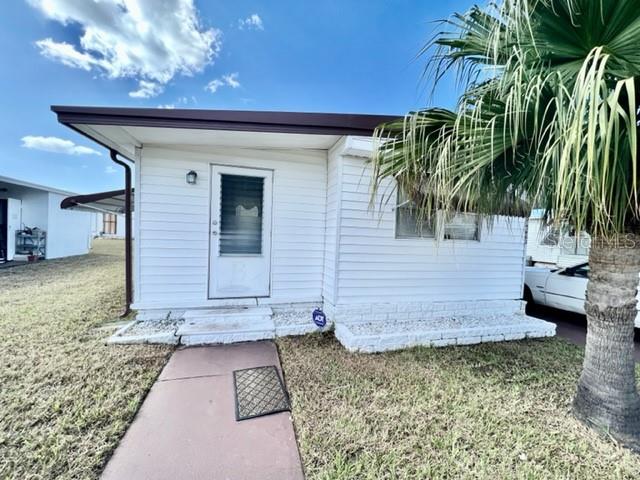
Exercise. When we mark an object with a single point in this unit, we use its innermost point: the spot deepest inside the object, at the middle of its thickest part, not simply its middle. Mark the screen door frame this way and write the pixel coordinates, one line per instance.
(237, 275)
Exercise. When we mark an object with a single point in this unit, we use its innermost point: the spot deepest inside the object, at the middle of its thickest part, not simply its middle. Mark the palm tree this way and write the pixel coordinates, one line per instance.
(548, 115)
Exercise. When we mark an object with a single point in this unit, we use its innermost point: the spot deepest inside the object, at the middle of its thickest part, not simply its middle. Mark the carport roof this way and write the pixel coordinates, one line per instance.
(108, 202)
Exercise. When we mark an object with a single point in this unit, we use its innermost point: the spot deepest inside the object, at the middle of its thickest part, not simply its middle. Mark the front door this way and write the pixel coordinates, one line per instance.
(240, 232)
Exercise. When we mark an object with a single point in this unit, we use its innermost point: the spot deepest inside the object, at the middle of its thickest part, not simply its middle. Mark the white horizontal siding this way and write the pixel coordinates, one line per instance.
(331, 228)
(538, 252)
(174, 222)
(68, 231)
(374, 266)
(551, 254)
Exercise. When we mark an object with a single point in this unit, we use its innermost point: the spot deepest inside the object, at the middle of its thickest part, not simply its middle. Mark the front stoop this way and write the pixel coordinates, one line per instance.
(371, 337)
(226, 325)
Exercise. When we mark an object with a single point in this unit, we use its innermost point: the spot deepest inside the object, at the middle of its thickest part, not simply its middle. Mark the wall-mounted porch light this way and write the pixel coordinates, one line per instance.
(192, 177)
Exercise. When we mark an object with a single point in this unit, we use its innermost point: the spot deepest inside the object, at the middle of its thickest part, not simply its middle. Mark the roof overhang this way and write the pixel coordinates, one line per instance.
(105, 202)
(124, 129)
(8, 183)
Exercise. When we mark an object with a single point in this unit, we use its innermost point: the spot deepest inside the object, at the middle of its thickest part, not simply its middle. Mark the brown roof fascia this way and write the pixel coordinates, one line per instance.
(233, 120)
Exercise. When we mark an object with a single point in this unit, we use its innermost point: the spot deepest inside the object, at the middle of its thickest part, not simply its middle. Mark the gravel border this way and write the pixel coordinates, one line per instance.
(147, 331)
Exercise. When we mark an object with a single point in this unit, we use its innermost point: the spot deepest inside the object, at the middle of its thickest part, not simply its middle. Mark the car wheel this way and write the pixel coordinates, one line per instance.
(527, 296)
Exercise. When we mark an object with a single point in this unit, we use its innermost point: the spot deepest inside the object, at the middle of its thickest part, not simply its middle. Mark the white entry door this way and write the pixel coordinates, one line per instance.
(240, 232)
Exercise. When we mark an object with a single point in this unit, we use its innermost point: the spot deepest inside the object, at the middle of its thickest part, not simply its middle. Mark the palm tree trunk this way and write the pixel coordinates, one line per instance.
(607, 397)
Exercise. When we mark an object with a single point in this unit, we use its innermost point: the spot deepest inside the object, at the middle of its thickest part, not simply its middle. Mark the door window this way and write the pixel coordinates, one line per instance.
(241, 214)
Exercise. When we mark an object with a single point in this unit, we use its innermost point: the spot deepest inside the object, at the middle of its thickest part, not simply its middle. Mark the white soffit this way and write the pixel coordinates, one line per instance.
(126, 138)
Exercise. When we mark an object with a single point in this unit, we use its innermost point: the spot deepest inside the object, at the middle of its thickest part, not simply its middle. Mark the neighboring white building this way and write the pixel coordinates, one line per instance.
(107, 207)
(26, 206)
(108, 225)
(278, 223)
(553, 246)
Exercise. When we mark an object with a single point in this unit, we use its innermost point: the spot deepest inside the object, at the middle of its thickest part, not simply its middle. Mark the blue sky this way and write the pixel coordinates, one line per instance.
(353, 56)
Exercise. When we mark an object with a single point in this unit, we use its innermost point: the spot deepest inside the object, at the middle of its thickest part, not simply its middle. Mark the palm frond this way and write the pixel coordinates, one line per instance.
(554, 122)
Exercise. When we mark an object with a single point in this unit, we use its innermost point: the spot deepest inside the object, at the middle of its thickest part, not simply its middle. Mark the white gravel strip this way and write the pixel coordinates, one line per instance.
(147, 331)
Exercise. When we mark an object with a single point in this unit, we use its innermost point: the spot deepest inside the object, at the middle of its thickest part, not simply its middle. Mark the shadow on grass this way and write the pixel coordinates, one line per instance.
(499, 410)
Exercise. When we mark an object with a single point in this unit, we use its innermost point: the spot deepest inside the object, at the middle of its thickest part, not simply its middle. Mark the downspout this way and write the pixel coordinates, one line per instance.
(127, 233)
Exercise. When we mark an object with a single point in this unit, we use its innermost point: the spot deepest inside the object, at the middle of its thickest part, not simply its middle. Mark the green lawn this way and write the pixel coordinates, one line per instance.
(491, 411)
(494, 411)
(65, 398)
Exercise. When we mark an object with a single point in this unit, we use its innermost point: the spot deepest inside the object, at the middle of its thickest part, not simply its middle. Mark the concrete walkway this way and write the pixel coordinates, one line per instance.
(186, 428)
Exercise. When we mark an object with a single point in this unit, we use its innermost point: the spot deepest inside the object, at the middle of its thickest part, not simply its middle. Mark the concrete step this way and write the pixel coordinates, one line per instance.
(227, 312)
(226, 325)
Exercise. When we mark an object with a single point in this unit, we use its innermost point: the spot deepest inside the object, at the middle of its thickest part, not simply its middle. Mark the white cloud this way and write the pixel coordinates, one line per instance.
(214, 85)
(110, 169)
(230, 80)
(56, 145)
(253, 21)
(147, 40)
(65, 54)
(147, 90)
(180, 102)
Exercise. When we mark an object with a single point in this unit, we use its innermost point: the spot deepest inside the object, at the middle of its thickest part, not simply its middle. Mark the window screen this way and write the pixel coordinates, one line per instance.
(463, 226)
(408, 226)
(407, 223)
(241, 214)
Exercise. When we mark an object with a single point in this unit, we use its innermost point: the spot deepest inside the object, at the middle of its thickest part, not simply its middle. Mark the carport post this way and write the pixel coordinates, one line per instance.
(128, 234)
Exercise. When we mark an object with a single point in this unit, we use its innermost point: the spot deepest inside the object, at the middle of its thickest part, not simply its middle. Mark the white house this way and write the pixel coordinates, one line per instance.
(554, 246)
(32, 222)
(247, 222)
(108, 207)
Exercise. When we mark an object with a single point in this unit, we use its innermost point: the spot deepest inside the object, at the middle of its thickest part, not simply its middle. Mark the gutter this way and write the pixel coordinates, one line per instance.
(128, 259)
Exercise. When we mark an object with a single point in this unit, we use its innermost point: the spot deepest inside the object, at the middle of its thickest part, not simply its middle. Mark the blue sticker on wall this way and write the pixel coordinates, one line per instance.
(319, 318)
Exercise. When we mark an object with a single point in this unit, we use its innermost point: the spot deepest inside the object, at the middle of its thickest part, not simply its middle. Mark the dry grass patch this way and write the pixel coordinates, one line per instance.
(65, 398)
(487, 411)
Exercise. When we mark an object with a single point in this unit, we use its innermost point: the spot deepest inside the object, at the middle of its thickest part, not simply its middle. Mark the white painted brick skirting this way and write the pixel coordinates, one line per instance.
(296, 319)
(361, 327)
(381, 336)
(419, 310)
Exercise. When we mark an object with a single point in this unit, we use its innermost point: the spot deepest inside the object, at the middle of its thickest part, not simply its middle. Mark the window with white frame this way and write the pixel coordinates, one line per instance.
(462, 226)
(407, 223)
(459, 226)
